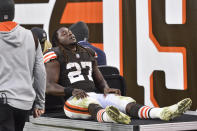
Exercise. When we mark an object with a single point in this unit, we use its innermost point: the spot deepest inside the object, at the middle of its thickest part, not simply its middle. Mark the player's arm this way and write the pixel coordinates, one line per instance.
(101, 84)
(52, 66)
(53, 71)
(99, 80)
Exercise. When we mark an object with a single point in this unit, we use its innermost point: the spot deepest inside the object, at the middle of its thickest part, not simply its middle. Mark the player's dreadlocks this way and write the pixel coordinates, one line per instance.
(55, 43)
(55, 39)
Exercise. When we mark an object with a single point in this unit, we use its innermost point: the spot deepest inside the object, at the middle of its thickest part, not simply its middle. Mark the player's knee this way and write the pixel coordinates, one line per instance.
(84, 103)
(91, 101)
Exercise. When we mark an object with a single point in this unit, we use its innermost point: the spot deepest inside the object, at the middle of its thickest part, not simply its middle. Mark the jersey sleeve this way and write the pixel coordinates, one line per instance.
(49, 56)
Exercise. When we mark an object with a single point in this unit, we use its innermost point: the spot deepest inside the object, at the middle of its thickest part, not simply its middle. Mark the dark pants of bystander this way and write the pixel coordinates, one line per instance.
(12, 119)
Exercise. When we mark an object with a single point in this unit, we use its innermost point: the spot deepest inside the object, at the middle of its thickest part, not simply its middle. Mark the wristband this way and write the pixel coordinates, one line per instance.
(68, 91)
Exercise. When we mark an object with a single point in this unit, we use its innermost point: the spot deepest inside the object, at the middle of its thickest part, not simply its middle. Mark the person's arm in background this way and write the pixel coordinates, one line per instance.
(101, 58)
(39, 84)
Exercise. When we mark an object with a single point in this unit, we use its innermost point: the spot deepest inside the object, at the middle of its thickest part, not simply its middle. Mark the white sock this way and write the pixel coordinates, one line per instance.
(143, 112)
(155, 112)
(99, 115)
(106, 118)
(146, 112)
(103, 117)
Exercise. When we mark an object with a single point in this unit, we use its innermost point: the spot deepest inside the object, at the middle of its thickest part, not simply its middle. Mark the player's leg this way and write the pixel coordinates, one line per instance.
(88, 108)
(144, 112)
(119, 102)
(111, 113)
(166, 113)
(78, 108)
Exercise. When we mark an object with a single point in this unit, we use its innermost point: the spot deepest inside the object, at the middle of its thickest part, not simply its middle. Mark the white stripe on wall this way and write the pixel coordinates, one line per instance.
(174, 11)
(111, 33)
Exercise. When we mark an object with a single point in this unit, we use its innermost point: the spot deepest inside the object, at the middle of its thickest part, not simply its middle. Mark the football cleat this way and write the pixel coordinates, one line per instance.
(175, 110)
(117, 116)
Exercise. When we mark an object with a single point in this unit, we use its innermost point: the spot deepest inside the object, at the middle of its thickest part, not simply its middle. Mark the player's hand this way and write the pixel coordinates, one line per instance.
(111, 90)
(78, 93)
(38, 112)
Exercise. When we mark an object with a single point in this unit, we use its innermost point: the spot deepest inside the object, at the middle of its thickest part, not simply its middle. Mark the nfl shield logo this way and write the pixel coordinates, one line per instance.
(77, 56)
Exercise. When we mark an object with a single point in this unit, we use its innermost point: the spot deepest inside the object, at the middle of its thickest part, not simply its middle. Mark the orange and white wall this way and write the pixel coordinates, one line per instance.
(151, 55)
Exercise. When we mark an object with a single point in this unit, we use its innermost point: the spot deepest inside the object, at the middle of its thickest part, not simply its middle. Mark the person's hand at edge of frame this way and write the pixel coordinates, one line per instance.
(38, 112)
